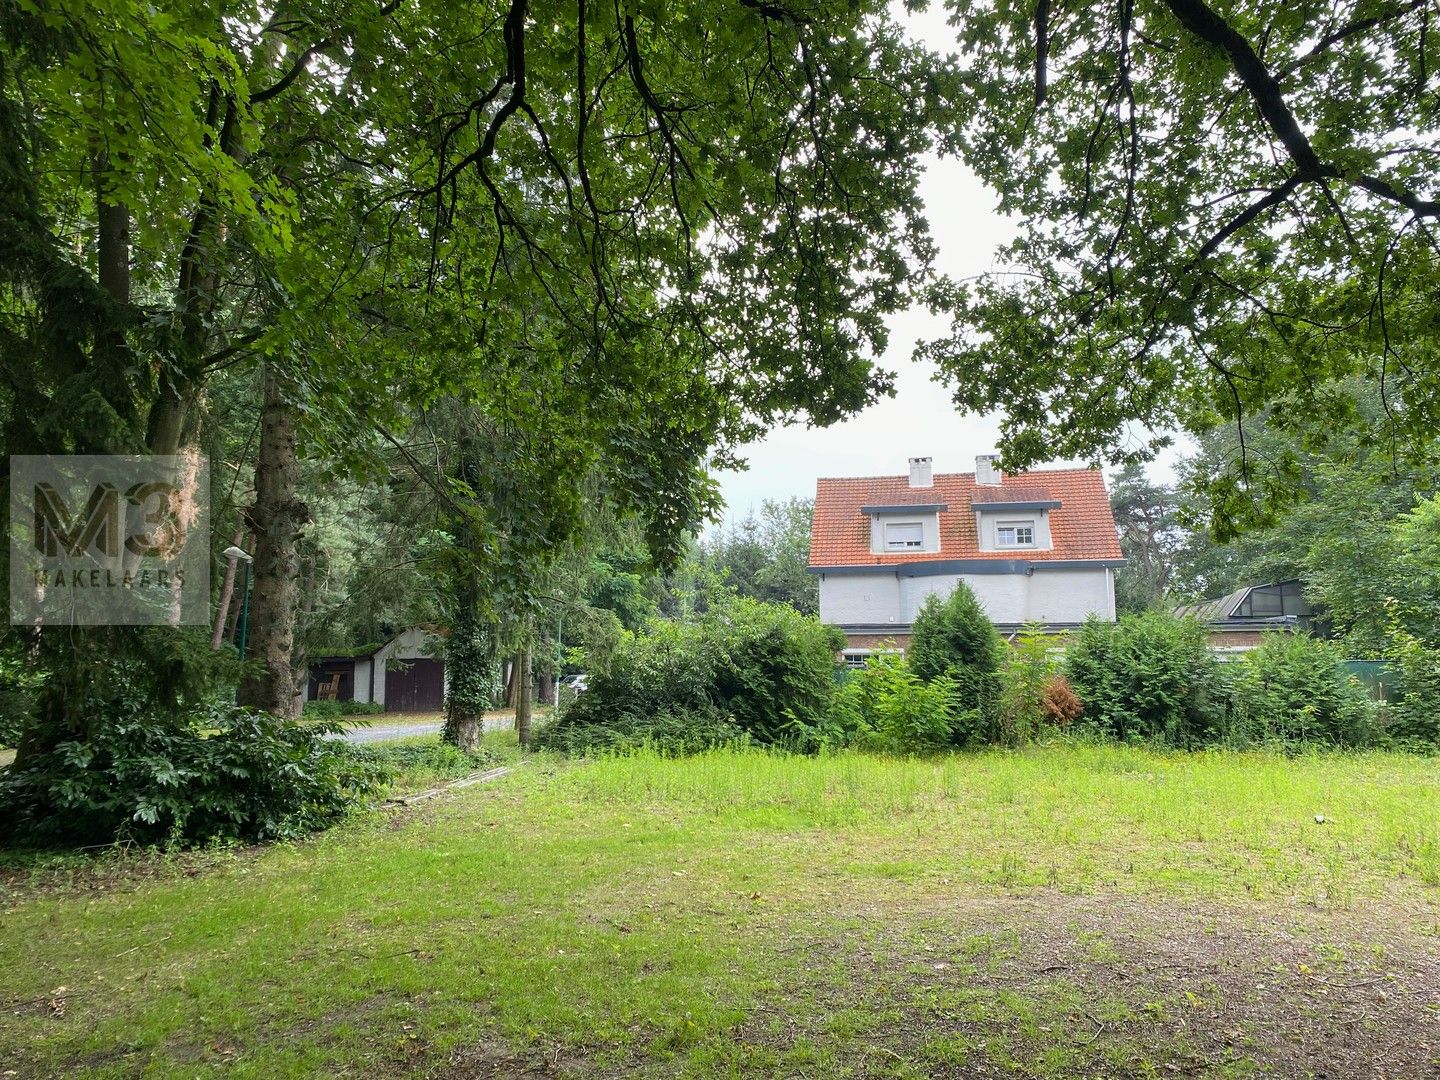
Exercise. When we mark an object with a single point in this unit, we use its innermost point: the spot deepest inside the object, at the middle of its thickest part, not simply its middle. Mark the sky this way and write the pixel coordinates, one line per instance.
(920, 420)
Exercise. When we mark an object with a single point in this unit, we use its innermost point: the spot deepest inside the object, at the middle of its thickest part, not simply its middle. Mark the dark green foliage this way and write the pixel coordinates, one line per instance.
(953, 637)
(222, 773)
(18, 686)
(763, 668)
(672, 732)
(1147, 676)
(471, 666)
(439, 757)
(885, 706)
(328, 710)
(1294, 689)
(91, 673)
(1415, 716)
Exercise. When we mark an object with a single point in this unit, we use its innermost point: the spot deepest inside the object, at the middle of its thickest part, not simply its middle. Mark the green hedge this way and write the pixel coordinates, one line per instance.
(1152, 677)
(328, 710)
(1295, 689)
(746, 670)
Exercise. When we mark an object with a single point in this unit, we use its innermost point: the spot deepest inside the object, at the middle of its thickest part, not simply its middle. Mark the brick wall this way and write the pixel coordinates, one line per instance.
(877, 641)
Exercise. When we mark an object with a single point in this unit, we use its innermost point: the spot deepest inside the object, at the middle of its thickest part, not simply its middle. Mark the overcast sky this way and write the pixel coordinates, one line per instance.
(920, 420)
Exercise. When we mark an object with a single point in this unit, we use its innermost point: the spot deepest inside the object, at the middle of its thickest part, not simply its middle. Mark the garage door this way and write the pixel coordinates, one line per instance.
(415, 686)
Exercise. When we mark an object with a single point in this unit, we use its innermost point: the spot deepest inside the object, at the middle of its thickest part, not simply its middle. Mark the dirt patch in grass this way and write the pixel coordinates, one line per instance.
(1052, 985)
(1040, 985)
(31, 875)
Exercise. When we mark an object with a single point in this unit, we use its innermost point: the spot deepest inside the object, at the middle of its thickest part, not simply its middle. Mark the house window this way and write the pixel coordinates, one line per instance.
(1015, 534)
(858, 658)
(904, 536)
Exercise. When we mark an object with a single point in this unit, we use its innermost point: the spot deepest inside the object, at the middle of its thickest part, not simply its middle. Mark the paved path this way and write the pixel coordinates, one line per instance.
(380, 731)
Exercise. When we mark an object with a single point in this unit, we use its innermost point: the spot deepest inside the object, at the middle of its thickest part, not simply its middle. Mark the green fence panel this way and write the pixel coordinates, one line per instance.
(1380, 677)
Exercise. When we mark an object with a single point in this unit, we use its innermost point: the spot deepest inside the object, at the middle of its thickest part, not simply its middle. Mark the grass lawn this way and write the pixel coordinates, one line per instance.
(1057, 912)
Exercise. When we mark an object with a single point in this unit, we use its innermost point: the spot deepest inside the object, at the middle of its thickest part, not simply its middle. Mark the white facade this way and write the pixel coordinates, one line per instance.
(363, 666)
(989, 523)
(1034, 594)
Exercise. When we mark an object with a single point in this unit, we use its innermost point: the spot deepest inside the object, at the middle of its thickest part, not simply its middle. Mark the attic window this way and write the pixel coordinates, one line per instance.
(1015, 534)
(904, 536)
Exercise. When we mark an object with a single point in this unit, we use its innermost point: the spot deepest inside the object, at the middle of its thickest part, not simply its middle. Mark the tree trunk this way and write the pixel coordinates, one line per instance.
(522, 698)
(512, 684)
(471, 671)
(61, 711)
(278, 517)
(227, 590)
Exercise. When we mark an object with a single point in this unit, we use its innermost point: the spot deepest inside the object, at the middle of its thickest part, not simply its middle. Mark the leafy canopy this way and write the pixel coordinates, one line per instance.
(1224, 208)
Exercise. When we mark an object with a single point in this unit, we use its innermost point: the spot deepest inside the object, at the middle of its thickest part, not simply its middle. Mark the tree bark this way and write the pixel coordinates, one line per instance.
(512, 683)
(227, 590)
(278, 516)
(522, 698)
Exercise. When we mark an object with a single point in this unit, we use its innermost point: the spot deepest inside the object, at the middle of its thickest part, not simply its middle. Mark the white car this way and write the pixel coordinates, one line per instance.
(578, 683)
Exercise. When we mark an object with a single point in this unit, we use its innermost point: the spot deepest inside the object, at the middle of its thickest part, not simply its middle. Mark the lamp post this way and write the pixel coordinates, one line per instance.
(242, 625)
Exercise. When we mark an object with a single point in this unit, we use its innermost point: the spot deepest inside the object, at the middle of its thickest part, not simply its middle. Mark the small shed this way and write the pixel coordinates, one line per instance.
(408, 675)
(341, 677)
(403, 674)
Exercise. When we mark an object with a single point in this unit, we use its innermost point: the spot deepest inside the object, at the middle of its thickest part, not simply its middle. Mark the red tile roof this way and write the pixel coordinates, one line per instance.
(1082, 527)
(1011, 492)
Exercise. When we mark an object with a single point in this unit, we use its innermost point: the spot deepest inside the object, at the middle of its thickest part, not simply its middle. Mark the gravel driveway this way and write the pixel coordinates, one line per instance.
(381, 731)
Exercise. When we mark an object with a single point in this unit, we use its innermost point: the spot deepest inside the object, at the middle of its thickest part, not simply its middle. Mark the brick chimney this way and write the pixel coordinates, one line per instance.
(920, 472)
(986, 474)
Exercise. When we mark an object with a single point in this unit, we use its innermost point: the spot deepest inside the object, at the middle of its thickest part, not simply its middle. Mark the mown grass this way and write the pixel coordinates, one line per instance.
(1082, 817)
(733, 913)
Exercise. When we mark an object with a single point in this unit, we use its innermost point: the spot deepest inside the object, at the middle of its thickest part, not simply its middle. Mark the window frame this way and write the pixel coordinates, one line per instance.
(849, 657)
(1015, 526)
(890, 545)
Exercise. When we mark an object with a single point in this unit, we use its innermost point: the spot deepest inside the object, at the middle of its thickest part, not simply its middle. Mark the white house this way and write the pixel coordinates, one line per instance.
(1035, 547)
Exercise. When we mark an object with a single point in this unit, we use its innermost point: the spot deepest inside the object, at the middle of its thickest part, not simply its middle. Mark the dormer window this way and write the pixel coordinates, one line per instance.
(1009, 534)
(903, 528)
(904, 536)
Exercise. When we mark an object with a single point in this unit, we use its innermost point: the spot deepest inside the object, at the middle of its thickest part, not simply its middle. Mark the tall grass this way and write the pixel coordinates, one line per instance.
(1323, 824)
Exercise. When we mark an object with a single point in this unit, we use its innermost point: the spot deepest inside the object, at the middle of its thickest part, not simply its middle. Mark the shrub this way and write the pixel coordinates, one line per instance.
(18, 685)
(746, 668)
(669, 732)
(952, 637)
(1024, 674)
(221, 773)
(329, 710)
(1294, 689)
(1059, 703)
(441, 758)
(1415, 715)
(776, 671)
(1147, 676)
(886, 706)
